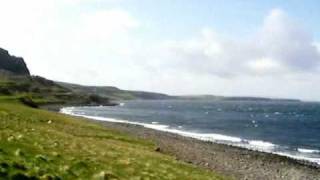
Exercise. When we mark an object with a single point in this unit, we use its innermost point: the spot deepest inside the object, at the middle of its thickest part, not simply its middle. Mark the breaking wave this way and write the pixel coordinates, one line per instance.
(257, 145)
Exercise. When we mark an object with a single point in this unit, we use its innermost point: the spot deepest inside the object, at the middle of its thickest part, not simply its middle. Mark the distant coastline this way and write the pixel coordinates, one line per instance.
(236, 98)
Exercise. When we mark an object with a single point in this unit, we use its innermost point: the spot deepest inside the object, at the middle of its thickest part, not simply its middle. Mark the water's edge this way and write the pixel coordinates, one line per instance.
(255, 145)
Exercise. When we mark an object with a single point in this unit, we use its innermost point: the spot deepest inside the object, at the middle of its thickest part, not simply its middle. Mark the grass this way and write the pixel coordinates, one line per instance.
(38, 144)
(43, 92)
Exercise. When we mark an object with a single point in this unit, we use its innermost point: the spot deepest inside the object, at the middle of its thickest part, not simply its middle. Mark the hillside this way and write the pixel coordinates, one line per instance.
(12, 64)
(38, 144)
(40, 91)
(233, 98)
(16, 81)
(114, 93)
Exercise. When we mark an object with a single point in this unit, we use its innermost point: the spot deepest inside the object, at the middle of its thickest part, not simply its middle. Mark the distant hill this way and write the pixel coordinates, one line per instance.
(15, 80)
(42, 91)
(114, 93)
(12, 64)
(235, 98)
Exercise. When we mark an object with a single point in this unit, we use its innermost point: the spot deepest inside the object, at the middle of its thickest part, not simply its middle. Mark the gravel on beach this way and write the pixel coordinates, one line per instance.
(238, 163)
(235, 162)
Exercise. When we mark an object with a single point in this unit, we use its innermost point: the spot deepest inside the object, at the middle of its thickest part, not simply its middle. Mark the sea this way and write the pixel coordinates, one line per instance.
(286, 128)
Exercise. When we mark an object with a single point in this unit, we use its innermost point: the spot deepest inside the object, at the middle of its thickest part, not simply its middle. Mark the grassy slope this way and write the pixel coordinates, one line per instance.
(43, 91)
(39, 143)
(113, 92)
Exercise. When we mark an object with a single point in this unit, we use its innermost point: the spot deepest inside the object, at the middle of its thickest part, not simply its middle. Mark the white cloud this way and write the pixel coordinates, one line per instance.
(264, 65)
(107, 23)
(85, 2)
(65, 41)
(286, 41)
(280, 46)
(60, 40)
(279, 60)
(317, 45)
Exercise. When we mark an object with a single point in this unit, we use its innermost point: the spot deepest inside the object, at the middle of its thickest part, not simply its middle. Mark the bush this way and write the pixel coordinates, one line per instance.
(4, 91)
(28, 101)
(96, 99)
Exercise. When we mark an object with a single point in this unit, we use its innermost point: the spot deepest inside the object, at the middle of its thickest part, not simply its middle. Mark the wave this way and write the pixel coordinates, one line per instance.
(302, 150)
(262, 144)
(157, 126)
(257, 145)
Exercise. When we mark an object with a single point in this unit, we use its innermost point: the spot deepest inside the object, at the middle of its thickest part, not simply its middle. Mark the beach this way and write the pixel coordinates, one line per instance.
(236, 162)
(160, 90)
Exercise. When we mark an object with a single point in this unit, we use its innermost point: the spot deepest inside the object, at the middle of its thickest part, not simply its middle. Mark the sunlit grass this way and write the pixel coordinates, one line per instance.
(41, 144)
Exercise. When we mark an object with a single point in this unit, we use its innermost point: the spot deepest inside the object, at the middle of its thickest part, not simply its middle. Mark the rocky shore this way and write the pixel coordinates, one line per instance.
(236, 162)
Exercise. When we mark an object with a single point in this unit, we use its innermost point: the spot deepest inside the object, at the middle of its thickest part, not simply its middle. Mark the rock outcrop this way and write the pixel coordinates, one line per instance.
(15, 65)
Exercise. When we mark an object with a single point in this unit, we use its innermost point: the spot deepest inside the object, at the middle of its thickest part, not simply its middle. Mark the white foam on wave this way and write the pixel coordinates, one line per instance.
(204, 136)
(262, 144)
(67, 110)
(299, 157)
(161, 127)
(257, 145)
(302, 150)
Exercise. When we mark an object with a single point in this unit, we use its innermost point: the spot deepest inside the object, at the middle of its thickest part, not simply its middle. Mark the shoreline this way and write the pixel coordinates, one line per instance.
(232, 141)
(237, 162)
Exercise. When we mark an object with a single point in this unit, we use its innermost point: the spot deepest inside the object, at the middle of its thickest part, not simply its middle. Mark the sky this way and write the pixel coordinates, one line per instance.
(179, 47)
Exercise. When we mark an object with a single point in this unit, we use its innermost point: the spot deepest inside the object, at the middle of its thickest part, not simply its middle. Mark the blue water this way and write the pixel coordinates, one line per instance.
(286, 128)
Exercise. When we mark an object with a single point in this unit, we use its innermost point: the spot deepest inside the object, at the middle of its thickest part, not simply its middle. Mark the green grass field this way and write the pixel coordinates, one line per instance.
(38, 144)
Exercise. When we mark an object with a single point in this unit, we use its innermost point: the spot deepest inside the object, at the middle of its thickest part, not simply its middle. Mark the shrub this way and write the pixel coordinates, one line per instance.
(28, 101)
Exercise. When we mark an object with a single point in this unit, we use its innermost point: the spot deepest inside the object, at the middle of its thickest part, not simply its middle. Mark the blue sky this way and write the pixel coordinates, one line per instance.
(235, 48)
(232, 17)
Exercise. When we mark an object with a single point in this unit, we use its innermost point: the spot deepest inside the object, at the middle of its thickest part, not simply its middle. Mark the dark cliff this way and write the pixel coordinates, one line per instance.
(12, 64)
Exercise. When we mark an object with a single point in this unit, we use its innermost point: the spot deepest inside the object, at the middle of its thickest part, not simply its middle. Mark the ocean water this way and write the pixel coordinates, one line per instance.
(286, 128)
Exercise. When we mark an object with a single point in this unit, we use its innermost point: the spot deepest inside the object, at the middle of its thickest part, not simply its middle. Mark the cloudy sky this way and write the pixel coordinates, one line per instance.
(239, 48)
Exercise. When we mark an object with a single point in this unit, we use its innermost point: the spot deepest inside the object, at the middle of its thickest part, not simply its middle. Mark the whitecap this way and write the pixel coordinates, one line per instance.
(302, 150)
(258, 145)
(299, 157)
(263, 144)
